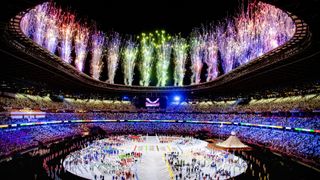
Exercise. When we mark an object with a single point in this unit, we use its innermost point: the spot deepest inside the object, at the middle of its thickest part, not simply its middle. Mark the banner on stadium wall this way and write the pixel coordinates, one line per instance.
(27, 114)
(8, 94)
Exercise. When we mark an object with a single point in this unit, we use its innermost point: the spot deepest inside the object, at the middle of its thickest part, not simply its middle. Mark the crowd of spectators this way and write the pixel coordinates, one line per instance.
(22, 101)
(302, 145)
(309, 102)
(292, 143)
(44, 162)
(16, 140)
(308, 122)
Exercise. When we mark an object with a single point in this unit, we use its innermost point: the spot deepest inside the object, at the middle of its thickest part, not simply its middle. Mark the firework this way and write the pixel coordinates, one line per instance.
(81, 42)
(113, 56)
(211, 55)
(180, 56)
(97, 48)
(40, 18)
(163, 52)
(26, 23)
(252, 33)
(196, 56)
(129, 54)
(227, 46)
(67, 30)
(233, 42)
(145, 64)
(52, 29)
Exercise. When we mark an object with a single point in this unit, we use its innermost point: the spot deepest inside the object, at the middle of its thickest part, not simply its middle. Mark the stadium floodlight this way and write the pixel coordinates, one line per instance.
(177, 98)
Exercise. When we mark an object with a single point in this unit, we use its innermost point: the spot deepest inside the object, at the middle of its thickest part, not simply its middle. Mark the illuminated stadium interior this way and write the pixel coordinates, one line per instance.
(160, 90)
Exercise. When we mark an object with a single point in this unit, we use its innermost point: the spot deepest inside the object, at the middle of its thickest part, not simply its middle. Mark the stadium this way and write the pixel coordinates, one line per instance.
(160, 90)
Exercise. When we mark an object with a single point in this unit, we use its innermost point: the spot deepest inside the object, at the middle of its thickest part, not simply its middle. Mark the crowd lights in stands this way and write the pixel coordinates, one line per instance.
(40, 123)
(4, 126)
(89, 121)
(207, 122)
(306, 130)
(138, 120)
(262, 125)
(221, 123)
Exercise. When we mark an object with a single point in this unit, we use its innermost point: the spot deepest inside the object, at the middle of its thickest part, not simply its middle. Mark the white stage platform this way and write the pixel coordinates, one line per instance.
(143, 158)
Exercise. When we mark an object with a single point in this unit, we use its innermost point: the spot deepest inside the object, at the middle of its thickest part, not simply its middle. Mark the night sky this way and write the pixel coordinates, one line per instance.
(134, 17)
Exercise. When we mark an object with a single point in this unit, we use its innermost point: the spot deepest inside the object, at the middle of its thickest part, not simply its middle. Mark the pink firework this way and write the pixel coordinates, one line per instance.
(40, 18)
(67, 29)
(97, 48)
(52, 28)
(81, 42)
(211, 55)
(196, 56)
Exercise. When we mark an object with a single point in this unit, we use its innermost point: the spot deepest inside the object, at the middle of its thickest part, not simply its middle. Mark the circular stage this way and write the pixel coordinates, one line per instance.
(152, 157)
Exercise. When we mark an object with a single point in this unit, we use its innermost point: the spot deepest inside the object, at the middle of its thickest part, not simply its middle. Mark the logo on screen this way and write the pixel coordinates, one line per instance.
(150, 103)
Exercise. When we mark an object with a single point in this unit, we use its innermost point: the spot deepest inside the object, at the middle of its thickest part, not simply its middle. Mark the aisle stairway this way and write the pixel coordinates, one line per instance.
(153, 167)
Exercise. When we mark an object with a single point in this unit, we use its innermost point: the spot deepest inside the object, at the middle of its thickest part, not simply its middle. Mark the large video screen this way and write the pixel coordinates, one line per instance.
(150, 102)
